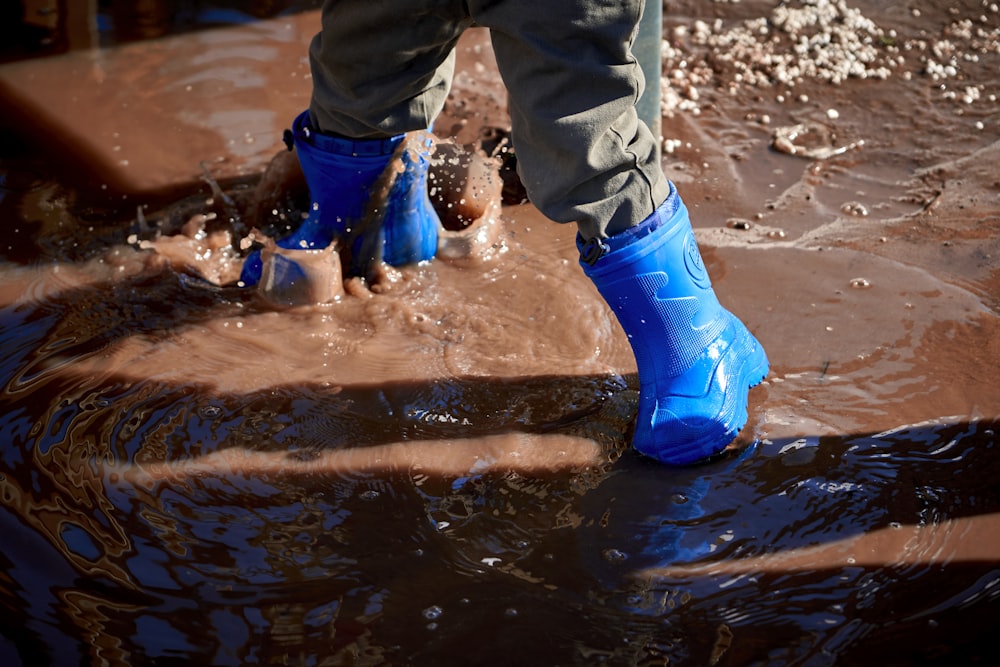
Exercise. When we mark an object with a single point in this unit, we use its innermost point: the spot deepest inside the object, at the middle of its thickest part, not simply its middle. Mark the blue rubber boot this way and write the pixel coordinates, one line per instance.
(341, 174)
(696, 360)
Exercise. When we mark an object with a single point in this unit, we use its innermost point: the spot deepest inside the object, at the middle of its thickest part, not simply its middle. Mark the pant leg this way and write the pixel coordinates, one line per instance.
(383, 67)
(573, 82)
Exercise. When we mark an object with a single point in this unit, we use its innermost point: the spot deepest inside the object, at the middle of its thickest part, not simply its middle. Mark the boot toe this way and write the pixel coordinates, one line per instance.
(686, 429)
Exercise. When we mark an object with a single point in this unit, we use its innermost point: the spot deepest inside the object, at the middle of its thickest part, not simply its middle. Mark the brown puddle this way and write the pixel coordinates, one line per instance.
(437, 471)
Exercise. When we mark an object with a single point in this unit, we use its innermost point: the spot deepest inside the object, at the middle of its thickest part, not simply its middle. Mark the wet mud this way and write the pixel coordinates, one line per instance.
(433, 467)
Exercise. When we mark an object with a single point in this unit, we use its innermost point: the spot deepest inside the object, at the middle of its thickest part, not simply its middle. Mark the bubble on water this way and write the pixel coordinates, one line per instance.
(211, 411)
(855, 208)
(432, 613)
(614, 555)
(860, 283)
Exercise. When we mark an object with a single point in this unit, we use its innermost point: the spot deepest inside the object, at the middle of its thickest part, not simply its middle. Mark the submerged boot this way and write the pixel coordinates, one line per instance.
(696, 360)
(341, 174)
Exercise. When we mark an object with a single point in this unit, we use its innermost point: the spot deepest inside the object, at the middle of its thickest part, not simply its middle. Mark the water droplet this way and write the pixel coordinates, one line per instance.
(433, 612)
(510, 612)
(857, 209)
(369, 494)
(861, 283)
(211, 411)
(614, 555)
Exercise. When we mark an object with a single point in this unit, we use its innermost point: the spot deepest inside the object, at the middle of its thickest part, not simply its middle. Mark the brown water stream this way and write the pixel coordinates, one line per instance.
(436, 471)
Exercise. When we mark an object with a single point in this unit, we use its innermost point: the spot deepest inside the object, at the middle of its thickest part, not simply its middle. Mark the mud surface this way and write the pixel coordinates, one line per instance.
(435, 469)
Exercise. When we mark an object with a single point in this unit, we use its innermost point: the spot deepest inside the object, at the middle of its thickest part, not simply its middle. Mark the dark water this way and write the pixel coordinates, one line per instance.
(439, 475)
(378, 566)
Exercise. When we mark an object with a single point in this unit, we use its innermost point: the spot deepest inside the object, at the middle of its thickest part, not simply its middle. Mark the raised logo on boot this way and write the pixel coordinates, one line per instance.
(694, 265)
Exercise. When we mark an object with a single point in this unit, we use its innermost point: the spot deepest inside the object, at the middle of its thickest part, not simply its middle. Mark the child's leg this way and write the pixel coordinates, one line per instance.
(584, 156)
(383, 68)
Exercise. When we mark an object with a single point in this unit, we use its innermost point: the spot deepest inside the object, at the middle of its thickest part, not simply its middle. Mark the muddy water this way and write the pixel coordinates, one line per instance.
(437, 471)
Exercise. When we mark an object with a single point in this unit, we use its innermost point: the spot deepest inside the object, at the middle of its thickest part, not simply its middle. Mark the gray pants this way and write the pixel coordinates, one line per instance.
(383, 67)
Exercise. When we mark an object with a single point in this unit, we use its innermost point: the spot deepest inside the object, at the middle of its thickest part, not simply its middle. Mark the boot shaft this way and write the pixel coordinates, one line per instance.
(654, 279)
(339, 172)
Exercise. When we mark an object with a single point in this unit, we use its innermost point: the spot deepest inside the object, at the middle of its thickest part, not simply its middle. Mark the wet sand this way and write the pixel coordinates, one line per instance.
(439, 471)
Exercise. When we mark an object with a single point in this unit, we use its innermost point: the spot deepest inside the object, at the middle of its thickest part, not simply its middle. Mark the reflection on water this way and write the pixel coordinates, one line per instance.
(128, 536)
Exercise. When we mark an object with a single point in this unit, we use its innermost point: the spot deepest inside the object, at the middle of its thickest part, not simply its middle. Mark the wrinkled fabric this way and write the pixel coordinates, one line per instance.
(383, 67)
